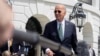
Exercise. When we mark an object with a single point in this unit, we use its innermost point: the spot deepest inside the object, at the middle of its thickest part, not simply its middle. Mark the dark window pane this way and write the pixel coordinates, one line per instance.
(99, 42)
(86, 1)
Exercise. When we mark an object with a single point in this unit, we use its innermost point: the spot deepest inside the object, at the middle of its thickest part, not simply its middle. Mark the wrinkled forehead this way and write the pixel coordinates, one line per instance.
(60, 7)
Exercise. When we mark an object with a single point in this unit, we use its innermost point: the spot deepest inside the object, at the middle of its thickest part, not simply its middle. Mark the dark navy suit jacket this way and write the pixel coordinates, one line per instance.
(70, 38)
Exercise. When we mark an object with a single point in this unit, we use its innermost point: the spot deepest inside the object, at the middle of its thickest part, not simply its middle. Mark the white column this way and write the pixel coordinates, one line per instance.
(96, 4)
(38, 50)
(79, 34)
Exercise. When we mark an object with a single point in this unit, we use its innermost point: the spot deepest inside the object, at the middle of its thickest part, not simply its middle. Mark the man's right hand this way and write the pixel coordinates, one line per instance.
(49, 52)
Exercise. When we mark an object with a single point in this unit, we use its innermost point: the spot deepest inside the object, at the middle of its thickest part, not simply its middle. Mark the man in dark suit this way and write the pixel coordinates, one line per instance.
(61, 31)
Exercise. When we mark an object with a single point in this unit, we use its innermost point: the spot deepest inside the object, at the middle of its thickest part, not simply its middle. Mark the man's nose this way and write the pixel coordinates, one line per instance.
(56, 13)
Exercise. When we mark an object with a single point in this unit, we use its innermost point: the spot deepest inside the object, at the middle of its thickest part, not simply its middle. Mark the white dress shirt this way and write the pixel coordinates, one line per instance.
(63, 25)
(90, 52)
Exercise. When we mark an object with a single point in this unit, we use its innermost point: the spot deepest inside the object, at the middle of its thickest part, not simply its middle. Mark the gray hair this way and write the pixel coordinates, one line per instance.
(82, 48)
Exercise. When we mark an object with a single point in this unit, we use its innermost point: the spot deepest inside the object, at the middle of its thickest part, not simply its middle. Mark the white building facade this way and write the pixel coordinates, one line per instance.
(43, 10)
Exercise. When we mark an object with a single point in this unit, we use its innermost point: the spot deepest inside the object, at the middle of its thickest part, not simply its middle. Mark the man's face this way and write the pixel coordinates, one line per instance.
(60, 12)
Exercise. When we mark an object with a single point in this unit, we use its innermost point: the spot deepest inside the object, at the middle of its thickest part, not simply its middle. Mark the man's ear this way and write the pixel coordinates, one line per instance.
(65, 13)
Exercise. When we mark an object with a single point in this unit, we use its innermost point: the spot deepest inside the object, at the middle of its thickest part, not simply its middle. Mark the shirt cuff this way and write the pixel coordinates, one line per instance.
(48, 49)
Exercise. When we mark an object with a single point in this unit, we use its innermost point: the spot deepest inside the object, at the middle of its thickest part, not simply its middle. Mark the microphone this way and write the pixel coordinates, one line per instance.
(30, 37)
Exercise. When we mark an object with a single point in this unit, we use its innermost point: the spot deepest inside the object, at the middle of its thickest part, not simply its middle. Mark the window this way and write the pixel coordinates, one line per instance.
(99, 5)
(86, 1)
(99, 42)
(99, 45)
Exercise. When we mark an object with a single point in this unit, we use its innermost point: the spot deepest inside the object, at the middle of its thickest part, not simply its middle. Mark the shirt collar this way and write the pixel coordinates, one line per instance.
(62, 22)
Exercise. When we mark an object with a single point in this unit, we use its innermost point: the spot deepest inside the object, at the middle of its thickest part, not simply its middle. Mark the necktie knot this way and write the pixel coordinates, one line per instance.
(60, 26)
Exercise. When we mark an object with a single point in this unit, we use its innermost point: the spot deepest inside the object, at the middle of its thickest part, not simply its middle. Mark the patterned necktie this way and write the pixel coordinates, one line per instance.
(60, 31)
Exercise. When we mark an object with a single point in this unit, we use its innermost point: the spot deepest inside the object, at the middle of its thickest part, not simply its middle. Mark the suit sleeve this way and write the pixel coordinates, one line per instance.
(46, 33)
(74, 40)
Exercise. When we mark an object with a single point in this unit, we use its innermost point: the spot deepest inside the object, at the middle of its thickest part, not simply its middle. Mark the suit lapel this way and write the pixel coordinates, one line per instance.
(66, 29)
